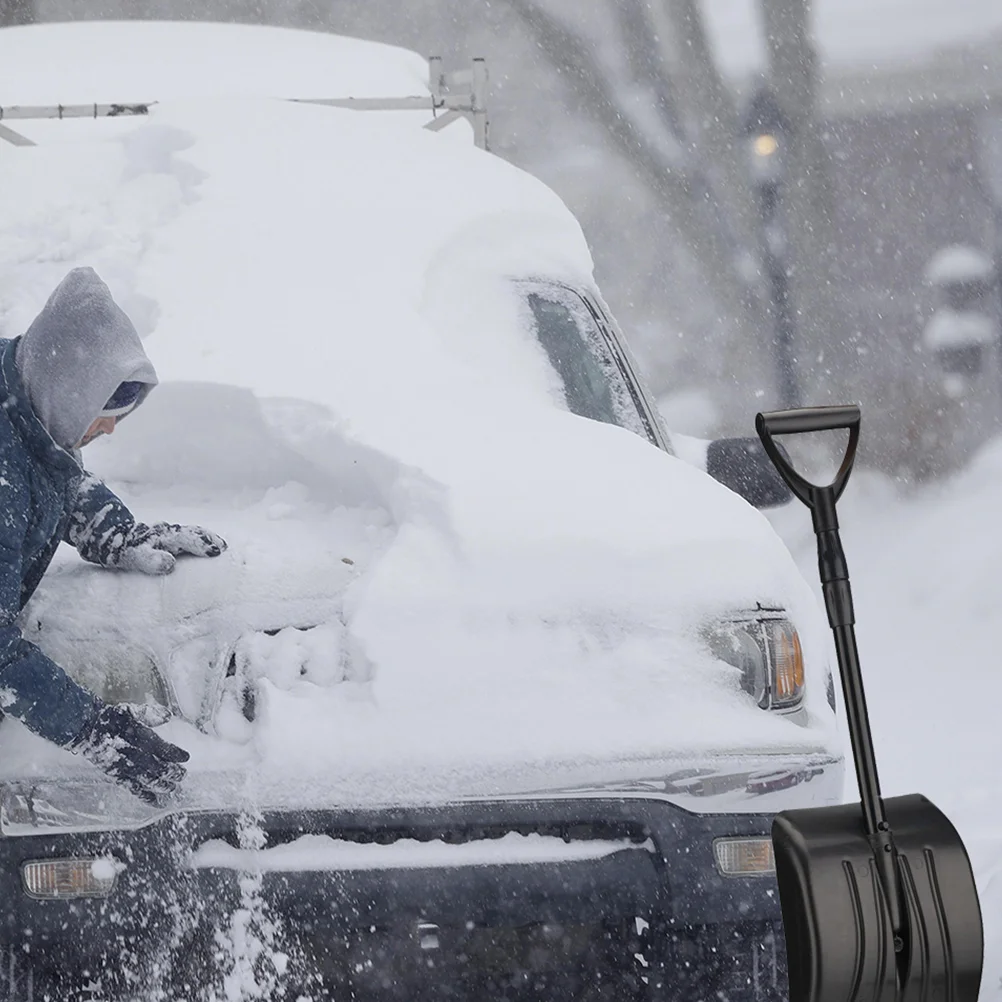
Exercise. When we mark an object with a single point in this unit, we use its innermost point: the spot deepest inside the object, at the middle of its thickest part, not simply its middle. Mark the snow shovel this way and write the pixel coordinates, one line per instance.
(878, 898)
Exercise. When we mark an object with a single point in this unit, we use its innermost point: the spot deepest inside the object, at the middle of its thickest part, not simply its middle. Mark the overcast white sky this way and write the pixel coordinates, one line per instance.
(857, 31)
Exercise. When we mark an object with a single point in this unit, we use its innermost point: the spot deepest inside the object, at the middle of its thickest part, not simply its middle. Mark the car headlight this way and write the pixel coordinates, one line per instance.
(768, 654)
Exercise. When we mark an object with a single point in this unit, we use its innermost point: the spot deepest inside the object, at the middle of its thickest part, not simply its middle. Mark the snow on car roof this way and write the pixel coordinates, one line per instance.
(131, 61)
(333, 235)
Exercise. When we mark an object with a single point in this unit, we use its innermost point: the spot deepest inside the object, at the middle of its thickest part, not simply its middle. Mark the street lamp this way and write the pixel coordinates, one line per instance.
(767, 136)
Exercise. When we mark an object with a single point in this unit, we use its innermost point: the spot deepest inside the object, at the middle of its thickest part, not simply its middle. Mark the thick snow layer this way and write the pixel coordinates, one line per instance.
(136, 61)
(321, 852)
(927, 594)
(949, 328)
(509, 597)
(957, 264)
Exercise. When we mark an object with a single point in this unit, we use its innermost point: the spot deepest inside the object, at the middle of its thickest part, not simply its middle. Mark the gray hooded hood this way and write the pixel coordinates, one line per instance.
(76, 353)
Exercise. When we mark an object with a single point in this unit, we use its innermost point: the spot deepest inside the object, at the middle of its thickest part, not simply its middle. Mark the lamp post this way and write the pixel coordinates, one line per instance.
(767, 136)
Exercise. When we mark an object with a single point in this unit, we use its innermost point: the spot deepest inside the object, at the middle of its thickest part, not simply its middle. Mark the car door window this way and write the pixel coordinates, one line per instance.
(594, 383)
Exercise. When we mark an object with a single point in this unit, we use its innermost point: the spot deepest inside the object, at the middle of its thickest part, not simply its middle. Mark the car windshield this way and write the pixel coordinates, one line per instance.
(594, 384)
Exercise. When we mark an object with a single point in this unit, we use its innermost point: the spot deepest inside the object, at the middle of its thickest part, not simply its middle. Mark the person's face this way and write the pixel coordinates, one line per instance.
(102, 426)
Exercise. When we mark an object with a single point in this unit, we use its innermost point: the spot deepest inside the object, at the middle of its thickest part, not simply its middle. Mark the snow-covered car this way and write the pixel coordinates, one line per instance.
(491, 693)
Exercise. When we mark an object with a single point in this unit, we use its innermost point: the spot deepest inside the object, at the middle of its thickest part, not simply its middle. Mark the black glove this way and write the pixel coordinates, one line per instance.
(151, 549)
(132, 753)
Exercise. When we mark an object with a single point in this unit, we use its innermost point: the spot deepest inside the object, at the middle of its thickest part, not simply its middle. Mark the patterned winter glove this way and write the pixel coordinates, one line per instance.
(132, 754)
(151, 549)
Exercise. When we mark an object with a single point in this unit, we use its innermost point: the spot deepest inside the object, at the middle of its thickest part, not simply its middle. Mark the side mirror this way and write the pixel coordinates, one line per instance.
(742, 465)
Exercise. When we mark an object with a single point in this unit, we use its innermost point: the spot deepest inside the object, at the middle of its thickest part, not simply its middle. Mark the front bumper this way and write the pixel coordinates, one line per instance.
(636, 900)
(613, 883)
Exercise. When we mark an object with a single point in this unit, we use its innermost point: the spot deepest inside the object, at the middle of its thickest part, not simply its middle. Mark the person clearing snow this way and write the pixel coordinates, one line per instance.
(77, 371)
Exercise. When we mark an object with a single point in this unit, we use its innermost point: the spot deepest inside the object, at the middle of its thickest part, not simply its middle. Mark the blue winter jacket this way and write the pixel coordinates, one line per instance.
(45, 498)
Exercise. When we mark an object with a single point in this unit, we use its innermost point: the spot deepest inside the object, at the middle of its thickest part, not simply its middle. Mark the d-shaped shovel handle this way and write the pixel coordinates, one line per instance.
(834, 573)
(803, 420)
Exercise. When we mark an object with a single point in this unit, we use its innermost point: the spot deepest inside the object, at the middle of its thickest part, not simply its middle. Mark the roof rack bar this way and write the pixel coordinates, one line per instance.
(38, 111)
(14, 138)
(470, 102)
(370, 103)
(439, 123)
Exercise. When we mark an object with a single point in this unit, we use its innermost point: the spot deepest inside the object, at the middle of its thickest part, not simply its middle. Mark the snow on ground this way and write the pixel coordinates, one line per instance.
(928, 593)
(326, 295)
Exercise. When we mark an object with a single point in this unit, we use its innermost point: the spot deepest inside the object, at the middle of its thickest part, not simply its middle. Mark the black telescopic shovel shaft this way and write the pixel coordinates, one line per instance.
(837, 592)
(868, 915)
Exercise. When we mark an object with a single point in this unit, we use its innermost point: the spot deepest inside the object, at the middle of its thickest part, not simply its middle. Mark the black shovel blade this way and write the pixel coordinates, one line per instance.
(840, 943)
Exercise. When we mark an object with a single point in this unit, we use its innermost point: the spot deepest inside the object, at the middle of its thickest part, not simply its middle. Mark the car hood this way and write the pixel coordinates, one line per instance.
(520, 624)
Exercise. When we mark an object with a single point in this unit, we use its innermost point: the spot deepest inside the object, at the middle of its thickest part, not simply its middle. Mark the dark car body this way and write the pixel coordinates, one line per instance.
(634, 918)
(578, 895)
